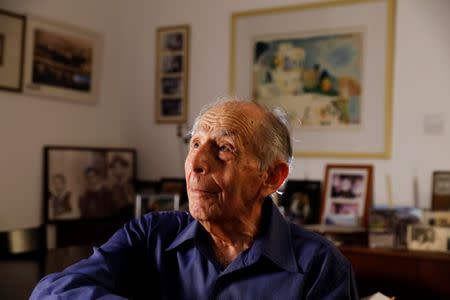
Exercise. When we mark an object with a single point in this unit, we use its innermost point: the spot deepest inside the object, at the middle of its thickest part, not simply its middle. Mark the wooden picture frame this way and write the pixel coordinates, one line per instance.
(171, 76)
(440, 199)
(62, 61)
(12, 39)
(86, 183)
(347, 195)
(333, 78)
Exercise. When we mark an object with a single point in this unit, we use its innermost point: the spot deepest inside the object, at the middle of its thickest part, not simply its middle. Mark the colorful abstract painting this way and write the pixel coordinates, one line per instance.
(315, 78)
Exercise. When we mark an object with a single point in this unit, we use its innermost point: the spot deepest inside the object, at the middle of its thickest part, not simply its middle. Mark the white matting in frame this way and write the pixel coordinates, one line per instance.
(61, 61)
(375, 20)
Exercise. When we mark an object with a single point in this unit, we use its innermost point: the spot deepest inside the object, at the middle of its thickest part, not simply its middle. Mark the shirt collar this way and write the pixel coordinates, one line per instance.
(274, 240)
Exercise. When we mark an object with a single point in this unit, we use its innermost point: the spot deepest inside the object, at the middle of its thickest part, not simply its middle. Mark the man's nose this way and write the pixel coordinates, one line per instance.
(201, 159)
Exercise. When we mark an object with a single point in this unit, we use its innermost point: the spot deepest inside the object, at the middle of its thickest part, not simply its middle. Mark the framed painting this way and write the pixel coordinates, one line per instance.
(347, 195)
(12, 35)
(172, 63)
(61, 61)
(333, 78)
(88, 183)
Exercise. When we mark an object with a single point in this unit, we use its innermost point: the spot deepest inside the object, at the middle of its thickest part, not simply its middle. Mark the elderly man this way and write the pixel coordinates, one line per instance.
(234, 244)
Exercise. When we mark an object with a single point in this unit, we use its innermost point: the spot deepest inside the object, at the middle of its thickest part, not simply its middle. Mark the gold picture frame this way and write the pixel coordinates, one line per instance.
(171, 74)
(61, 61)
(372, 21)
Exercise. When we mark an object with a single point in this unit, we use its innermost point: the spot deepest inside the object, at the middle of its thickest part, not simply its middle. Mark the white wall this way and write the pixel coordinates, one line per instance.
(27, 123)
(421, 72)
(125, 113)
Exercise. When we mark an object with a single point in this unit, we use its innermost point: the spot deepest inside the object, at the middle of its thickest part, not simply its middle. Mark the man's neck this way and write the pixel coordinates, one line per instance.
(230, 238)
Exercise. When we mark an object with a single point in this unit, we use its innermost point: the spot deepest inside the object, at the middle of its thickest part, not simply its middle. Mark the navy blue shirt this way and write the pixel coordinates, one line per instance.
(169, 255)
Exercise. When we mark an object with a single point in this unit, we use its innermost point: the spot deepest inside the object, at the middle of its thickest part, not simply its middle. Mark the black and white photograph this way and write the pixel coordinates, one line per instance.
(172, 69)
(171, 107)
(172, 64)
(62, 61)
(88, 183)
(172, 86)
(430, 238)
(173, 41)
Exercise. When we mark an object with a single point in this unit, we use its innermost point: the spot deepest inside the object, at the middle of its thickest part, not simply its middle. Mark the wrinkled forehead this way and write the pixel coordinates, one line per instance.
(236, 121)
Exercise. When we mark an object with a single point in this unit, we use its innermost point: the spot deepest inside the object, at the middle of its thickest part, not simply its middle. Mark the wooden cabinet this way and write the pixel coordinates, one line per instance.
(400, 273)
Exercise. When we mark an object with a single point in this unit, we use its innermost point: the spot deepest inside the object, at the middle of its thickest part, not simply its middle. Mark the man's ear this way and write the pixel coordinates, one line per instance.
(276, 175)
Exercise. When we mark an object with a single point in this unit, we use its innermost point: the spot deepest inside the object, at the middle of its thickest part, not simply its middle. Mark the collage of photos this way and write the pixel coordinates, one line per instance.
(171, 74)
(84, 183)
(346, 197)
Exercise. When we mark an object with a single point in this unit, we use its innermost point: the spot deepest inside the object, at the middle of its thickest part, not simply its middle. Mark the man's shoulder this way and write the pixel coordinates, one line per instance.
(165, 223)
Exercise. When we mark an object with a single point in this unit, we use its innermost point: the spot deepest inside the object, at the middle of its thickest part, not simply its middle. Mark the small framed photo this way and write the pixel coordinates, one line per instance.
(172, 57)
(146, 203)
(301, 201)
(441, 190)
(432, 238)
(88, 183)
(61, 61)
(12, 38)
(347, 195)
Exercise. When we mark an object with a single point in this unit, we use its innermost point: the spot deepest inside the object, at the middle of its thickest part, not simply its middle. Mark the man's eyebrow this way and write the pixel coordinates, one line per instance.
(224, 132)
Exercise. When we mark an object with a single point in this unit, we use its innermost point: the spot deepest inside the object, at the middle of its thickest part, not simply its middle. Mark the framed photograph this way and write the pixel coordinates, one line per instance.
(440, 199)
(88, 183)
(172, 63)
(334, 78)
(146, 203)
(301, 201)
(430, 238)
(61, 61)
(347, 195)
(12, 38)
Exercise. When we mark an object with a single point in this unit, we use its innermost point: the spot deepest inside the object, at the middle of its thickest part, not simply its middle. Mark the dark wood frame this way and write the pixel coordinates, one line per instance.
(182, 74)
(440, 201)
(368, 187)
(23, 20)
(312, 189)
(103, 150)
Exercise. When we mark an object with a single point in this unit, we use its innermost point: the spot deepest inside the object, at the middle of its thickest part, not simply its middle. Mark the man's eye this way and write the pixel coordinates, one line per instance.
(195, 145)
(224, 148)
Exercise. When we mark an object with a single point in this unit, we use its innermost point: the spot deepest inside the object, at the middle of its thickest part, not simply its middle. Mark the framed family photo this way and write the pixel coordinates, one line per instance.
(347, 195)
(12, 38)
(172, 63)
(333, 78)
(88, 183)
(61, 61)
